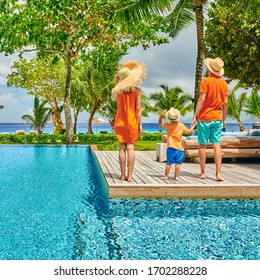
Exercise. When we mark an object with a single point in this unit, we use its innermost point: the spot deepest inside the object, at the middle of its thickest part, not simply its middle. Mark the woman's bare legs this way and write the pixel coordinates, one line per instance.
(122, 160)
(130, 160)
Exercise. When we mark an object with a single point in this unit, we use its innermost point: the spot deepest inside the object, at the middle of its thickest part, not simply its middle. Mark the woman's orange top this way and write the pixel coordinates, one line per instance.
(126, 126)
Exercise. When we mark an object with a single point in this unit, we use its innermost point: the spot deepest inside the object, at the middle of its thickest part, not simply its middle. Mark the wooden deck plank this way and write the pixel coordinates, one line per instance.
(242, 180)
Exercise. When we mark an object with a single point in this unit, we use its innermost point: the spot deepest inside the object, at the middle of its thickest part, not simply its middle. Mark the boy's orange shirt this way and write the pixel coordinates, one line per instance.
(174, 134)
(215, 89)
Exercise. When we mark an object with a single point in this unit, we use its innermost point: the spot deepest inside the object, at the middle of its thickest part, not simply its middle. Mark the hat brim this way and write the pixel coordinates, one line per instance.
(176, 119)
(135, 78)
(218, 73)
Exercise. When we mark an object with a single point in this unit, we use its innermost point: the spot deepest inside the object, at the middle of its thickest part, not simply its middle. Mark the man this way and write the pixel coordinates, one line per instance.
(210, 113)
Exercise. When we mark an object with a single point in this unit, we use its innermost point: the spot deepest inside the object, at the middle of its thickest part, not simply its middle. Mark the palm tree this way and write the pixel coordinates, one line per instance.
(172, 97)
(41, 115)
(253, 104)
(183, 14)
(236, 106)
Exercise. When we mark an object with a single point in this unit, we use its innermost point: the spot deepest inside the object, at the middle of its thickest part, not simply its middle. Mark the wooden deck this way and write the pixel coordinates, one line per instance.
(242, 180)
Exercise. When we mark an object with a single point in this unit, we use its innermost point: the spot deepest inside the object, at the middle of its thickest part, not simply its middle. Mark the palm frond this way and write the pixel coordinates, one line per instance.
(181, 17)
(142, 9)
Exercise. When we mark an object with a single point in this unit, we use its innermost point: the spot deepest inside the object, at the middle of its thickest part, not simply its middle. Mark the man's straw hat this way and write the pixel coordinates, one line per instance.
(131, 74)
(215, 66)
(173, 114)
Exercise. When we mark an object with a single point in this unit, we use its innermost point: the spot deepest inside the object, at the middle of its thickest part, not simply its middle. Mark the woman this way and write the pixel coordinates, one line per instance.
(128, 120)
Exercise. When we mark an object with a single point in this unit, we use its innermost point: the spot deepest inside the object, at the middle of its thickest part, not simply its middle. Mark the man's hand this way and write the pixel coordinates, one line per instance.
(194, 121)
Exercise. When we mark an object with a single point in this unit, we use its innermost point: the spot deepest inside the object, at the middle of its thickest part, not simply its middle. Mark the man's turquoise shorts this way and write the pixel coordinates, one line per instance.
(209, 131)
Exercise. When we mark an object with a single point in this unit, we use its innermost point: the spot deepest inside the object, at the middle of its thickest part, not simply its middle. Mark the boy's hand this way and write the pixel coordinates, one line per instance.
(163, 113)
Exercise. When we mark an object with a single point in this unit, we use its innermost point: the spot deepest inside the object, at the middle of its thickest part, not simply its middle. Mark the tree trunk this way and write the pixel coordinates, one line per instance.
(69, 128)
(76, 114)
(58, 127)
(92, 113)
(112, 122)
(200, 50)
(241, 127)
(90, 131)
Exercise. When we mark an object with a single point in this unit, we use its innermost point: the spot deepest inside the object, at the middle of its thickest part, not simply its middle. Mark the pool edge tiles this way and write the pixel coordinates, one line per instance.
(93, 149)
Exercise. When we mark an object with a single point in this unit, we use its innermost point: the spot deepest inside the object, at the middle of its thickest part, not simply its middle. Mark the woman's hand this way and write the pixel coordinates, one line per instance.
(140, 129)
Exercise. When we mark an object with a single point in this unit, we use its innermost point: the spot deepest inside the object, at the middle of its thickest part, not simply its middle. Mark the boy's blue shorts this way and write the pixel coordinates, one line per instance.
(174, 156)
(209, 131)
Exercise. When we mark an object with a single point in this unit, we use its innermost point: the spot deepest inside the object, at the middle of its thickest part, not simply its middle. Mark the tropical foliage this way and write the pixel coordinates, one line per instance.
(1, 106)
(252, 107)
(236, 40)
(41, 115)
(184, 13)
(236, 105)
(45, 78)
(172, 97)
(68, 28)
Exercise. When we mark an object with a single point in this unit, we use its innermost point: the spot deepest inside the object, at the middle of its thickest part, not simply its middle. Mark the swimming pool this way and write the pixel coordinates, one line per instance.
(54, 206)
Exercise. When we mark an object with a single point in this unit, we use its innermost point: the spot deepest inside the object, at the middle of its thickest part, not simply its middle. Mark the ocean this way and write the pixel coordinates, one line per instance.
(82, 127)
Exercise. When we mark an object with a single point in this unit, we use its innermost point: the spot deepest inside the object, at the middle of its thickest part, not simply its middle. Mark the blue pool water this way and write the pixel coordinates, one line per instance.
(54, 205)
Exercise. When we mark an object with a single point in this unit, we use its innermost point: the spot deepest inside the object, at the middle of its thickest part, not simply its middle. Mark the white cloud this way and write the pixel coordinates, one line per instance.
(16, 103)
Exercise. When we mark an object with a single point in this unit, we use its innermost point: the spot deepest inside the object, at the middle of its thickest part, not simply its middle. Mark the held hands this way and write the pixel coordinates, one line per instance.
(224, 123)
(194, 121)
(140, 129)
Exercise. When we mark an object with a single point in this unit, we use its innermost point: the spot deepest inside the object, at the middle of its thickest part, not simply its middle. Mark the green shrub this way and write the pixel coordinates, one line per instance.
(104, 142)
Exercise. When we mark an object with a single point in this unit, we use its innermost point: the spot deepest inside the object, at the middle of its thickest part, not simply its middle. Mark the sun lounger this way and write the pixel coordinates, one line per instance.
(20, 132)
(32, 131)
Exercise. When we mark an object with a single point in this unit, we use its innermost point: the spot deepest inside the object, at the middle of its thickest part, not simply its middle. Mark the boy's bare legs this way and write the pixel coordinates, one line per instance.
(122, 160)
(167, 171)
(218, 160)
(177, 171)
(202, 156)
(130, 161)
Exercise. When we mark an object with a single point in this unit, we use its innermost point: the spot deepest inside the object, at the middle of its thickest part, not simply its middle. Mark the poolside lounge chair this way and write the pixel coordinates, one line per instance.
(32, 131)
(20, 132)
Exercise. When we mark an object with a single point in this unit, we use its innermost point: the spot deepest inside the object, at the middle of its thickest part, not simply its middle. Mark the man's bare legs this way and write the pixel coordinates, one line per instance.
(122, 160)
(218, 160)
(130, 160)
(202, 156)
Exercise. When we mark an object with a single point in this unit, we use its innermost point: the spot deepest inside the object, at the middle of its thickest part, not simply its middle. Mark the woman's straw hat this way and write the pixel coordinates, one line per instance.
(173, 114)
(215, 66)
(131, 74)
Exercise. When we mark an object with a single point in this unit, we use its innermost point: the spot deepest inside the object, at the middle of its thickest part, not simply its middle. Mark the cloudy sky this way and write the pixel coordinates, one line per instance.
(172, 64)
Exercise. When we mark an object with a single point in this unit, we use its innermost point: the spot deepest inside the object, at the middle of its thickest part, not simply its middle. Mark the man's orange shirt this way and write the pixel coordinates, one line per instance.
(215, 89)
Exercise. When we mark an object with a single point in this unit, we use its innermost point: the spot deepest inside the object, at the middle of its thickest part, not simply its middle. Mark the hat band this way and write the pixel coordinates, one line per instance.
(172, 119)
